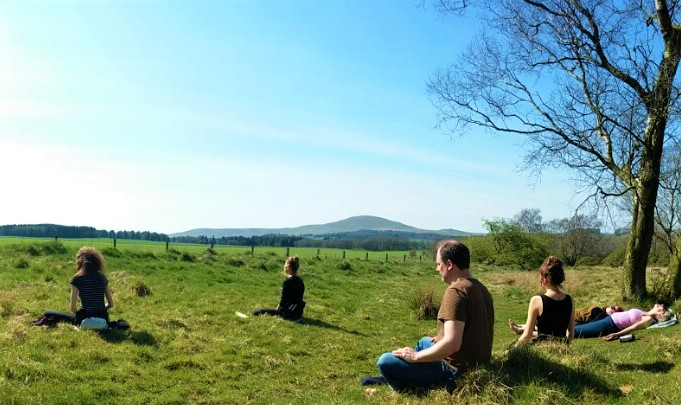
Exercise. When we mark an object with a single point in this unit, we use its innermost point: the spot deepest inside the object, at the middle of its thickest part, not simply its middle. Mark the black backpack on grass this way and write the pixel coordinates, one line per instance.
(120, 324)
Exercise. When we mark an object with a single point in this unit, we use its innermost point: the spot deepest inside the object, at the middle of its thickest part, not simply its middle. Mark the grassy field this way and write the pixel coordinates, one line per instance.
(160, 248)
(186, 346)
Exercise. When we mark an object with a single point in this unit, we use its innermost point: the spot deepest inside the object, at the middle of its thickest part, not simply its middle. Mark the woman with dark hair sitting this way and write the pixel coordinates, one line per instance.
(582, 315)
(552, 312)
(90, 286)
(291, 304)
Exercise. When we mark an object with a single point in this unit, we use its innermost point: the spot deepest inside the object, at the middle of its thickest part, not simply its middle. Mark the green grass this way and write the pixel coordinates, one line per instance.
(186, 346)
(160, 248)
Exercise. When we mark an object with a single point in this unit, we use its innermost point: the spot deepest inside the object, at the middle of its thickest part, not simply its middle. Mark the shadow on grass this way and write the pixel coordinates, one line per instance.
(321, 324)
(535, 366)
(141, 338)
(654, 367)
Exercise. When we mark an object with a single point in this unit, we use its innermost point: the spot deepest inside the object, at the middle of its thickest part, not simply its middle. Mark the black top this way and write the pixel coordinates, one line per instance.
(292, 296)
(91, 289)
(555, 317)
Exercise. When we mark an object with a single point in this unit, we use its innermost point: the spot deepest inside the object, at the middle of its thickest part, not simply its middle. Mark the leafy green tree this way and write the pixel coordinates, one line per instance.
(514, 246)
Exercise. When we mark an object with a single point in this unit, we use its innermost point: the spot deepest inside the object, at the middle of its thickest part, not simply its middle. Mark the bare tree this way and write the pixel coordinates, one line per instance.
(590, 83)
(530, 219)
(580, 237)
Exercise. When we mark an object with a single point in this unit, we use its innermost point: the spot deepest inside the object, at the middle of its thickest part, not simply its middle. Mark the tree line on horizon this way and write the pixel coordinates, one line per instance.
(66, 231)
(366, 240)
(371, 240)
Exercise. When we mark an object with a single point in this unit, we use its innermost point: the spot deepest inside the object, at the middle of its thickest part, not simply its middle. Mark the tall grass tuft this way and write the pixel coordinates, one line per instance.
(344, 266)
(425, 303)
(54, 248)
(111, 252)
(141, 290)
(33, 250)
(234, 262)
(7, 301)
(186, 257)
(21, 264)
(483, 386)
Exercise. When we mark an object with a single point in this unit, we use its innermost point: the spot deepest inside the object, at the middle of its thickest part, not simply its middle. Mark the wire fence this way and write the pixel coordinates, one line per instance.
(164, 247)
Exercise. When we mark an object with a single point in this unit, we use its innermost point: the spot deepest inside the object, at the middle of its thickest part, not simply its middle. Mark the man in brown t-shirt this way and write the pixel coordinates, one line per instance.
(464, 332)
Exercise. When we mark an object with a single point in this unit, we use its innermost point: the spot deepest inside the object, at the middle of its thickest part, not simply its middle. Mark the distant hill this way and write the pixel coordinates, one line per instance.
(352, 224)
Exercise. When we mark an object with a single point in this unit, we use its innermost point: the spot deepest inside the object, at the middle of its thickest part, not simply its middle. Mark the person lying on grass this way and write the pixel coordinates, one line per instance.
(621, 323)
(552, 312)
(90, 285)
(595, 313)
(465, 330)
(582, 315)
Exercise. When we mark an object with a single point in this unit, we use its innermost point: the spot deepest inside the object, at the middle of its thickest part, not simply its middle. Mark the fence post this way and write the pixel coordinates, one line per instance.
(167, 244)
(386, 257)
(367, 257)
(252, 249)
(344, 255)
(405, 258)
(287, 251)
(114, 242)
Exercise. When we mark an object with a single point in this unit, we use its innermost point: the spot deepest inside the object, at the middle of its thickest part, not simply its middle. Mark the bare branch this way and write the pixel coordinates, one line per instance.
(590, 84)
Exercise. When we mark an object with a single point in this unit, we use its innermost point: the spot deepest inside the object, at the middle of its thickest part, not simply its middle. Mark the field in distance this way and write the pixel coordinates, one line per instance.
(141, 246)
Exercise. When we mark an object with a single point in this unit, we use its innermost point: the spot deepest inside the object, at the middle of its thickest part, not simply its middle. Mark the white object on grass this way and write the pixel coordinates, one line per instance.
(94, 324)
(671, 321)
(241, 315)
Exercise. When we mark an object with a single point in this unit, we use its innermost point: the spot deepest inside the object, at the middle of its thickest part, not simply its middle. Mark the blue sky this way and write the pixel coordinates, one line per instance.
(171, 115)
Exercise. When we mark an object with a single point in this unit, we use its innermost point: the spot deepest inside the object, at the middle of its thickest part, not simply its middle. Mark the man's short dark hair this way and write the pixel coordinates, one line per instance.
(455, 251)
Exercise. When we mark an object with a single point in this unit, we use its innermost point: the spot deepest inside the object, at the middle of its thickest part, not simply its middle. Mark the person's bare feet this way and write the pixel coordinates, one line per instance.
(515, 327)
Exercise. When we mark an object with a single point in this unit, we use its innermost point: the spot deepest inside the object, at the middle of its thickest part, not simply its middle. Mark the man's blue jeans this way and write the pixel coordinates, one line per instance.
(598, 328)
(405, 376)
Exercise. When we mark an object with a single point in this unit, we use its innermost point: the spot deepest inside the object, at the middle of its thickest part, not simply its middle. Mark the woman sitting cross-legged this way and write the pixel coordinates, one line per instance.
(291, 304)
(552, 312)
(89, 285)
(621, 323)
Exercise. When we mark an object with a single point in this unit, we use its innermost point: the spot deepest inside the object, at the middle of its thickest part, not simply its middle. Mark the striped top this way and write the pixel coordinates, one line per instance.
(91, 289)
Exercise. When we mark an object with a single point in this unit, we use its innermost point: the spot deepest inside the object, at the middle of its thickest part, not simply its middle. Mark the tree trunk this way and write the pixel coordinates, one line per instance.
(645, 197)
(641, 234)
(634, 261)
(674, 271)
